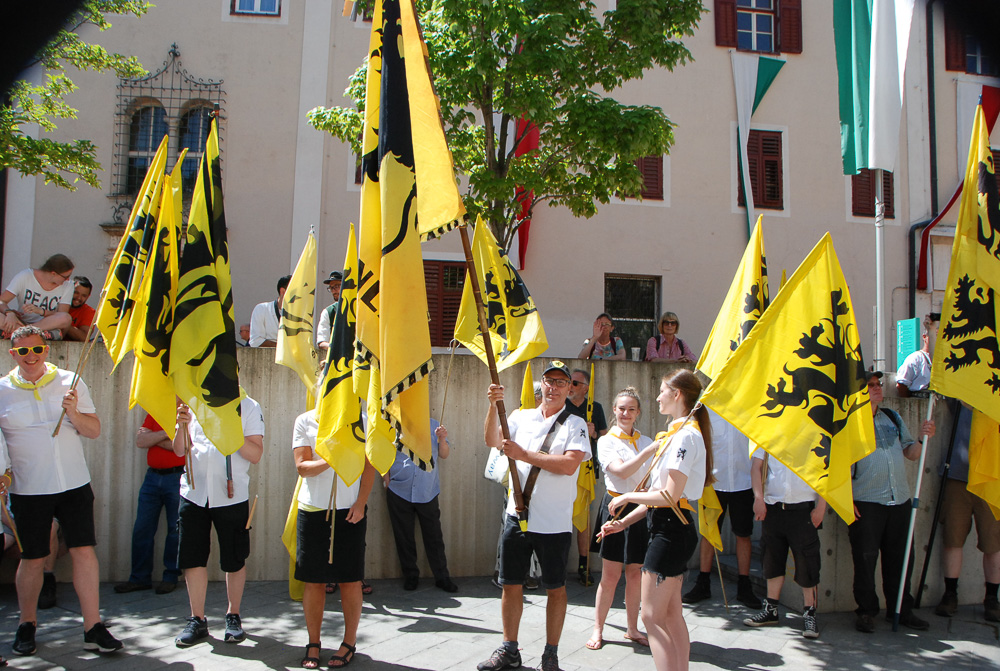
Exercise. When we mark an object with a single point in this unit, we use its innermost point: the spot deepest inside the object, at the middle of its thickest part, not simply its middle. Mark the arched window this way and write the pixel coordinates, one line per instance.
(192, 132)
(146, 131)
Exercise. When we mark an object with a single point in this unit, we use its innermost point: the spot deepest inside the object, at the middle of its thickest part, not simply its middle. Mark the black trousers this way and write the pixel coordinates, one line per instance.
(881, 529)
(403, 514)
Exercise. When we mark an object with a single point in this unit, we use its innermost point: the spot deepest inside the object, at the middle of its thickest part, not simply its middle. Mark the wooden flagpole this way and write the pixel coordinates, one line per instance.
(88, 347)
(491, 362)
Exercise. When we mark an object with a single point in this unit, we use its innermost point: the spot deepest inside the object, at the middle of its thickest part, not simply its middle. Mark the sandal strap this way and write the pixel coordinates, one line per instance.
(350, 647)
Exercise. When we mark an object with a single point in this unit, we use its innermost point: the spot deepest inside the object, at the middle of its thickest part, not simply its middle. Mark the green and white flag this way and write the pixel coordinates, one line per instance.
(871, 38)
(752, 76)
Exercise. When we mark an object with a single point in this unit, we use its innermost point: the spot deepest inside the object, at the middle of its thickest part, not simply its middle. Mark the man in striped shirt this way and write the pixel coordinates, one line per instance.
(882, 514)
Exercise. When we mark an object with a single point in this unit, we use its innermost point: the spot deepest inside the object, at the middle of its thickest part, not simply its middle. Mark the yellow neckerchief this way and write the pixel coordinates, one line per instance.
(675, 426)
(632, 440)
(21, 383)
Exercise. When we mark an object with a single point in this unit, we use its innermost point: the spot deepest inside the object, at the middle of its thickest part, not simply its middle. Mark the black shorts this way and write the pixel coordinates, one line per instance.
(792, 529)
(33, 515)
(195, 525)
(516, 547)
(312, 548)
(627, 547)
(671, 543)
(740, 507)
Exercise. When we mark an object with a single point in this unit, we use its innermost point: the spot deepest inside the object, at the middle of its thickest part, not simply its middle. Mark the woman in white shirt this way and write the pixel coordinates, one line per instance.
(681, 468)
(313, 565)
(624, 455)
(43, 297)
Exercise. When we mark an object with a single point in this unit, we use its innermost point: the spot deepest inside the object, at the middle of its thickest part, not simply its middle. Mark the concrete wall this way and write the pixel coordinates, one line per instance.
(470, 504)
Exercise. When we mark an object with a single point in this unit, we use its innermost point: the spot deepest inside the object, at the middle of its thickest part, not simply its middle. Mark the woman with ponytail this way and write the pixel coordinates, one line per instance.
(682, 466)
(624, 454)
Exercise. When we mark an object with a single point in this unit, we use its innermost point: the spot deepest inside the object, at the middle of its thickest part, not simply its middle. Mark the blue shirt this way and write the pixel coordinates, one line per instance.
(409, 482)
(881, 476)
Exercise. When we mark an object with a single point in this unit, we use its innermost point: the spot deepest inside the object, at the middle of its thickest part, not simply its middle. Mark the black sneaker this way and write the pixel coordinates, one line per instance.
(809, 628)
(745, 595)
(550, 662)
(767, 615)
(586, 579)
(47, 597)
(864, 623)
(24, 639)
(530, 583)
(700, 592)
(100, 639)
(447, 584)
(991, 609)
(910, 620)
(234, 629)
(129, 587)
(195, 630)
(501, 659)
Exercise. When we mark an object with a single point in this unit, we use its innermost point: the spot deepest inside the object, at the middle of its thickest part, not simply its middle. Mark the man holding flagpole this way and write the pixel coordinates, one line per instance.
(547, 445)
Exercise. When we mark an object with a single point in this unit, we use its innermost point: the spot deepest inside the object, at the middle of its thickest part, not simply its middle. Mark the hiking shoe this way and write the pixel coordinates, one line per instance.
(501, 659)
(166, 587)
(195, 630)
(496, 580)
(700, 592)
(809, 628)
(530, 583)
(991, 609)
(948, 605)
(24, 639)
(47, 597)
(767, 615)
(550, 662)
(864, 623)
(585, 578)
(446, 584)
(128, 587)
(100, 639)
(234, 629)
(910, 620)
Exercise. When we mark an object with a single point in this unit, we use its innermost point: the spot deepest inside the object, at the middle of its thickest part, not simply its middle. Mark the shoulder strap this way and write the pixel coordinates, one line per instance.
(529, 484)
(277, 310)
(896, 419)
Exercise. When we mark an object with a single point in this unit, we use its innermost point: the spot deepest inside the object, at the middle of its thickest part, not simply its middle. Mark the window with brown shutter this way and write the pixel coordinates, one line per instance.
(444, 281)
(863, 194)
(765, 26)
(651, 168)
(766, 171)
(954, 42)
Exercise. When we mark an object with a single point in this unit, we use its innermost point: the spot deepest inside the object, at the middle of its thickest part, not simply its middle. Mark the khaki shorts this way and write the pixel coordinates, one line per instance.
(962, 506)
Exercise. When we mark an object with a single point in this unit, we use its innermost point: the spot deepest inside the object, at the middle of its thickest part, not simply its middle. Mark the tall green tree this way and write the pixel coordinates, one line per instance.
(558, 64)
(46, 102)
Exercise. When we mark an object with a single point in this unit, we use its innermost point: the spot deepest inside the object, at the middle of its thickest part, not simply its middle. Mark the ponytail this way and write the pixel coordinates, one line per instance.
(690, 387)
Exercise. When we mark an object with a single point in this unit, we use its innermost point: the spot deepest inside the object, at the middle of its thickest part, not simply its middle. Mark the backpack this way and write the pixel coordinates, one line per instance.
(659, 341)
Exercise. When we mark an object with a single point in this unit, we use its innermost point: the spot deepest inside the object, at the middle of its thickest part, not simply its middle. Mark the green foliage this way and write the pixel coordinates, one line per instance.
(45, 103)
(557, 63)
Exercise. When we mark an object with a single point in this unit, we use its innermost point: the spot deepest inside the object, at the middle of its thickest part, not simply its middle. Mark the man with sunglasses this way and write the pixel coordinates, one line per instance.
(882, 514)
(547, 444)
(596, 427)
(50, 480)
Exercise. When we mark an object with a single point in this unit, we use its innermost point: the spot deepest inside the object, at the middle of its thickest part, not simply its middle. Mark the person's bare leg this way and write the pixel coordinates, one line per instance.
(235, 583)
(313, 603)
(744, 549)
(196, 580)
(774, 586)
(611, 571)
(511, 607)
(991, 567)
(86, 582)
(351, 600)
(951, 559)
(29, 584)
(705, 554)
(677, 631)
(633, 591)
(808, 597)
(50, 561)
(555, 614)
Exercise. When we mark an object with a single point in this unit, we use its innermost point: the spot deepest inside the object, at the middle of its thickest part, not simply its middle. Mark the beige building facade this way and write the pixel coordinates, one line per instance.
(677, 253)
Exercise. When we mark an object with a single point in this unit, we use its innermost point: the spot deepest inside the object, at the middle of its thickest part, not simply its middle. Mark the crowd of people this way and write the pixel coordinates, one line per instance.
(645, 527)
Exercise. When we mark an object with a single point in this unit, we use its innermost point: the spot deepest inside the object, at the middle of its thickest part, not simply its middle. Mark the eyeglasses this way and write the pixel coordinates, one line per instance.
(605, 325)
(66, 276)
(668, 322)
(876, 383)
(23, 351)
(555, 382)
(577, 383)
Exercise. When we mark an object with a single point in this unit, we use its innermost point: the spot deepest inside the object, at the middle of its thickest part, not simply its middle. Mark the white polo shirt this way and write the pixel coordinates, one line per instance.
(41, 463)
(782, 485)
(551, 508)
(686, 454)
(263, 324)
(209, 465)
(315, 490)
(613, 447)
(730, 456)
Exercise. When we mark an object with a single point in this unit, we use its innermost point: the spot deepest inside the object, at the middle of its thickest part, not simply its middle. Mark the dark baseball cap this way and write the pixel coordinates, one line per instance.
(335, 276)
(559, 366)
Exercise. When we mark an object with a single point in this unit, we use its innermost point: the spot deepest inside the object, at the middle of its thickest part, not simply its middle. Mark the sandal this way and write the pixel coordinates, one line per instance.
(638, 640)
(311, 662)
(595, 643)
(365, 587)
(331, 587)
(343, 660)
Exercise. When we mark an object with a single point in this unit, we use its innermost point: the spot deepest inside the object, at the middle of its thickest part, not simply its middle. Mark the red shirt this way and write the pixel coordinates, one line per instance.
(156, 456)
(82, 316)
